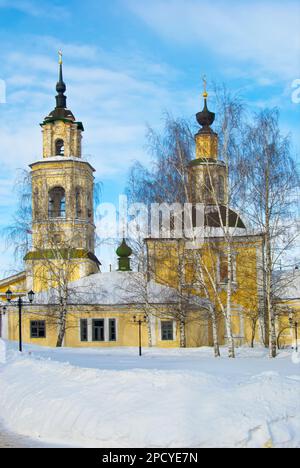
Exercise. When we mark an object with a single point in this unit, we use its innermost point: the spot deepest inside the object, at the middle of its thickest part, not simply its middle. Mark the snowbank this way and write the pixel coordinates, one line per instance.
(152, 407)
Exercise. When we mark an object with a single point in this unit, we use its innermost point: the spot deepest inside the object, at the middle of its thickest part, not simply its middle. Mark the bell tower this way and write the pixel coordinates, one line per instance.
(63, 229)
(207, 174)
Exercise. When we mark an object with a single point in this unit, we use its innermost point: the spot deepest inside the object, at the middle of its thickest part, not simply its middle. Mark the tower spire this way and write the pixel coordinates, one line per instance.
(61, 99)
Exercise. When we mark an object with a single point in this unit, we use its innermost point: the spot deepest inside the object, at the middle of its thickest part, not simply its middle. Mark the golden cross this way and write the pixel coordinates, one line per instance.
(205, 93)
(60, 57)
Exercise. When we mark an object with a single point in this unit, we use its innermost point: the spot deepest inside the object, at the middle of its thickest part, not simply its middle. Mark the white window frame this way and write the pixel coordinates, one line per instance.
(106, 329)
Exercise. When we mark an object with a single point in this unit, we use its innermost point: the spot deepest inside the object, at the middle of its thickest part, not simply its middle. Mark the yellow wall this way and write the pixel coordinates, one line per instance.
(287, 334)
(198, 331)
(167, 256)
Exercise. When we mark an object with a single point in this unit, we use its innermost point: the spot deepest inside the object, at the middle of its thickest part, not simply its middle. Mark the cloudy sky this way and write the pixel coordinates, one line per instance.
(125, 63)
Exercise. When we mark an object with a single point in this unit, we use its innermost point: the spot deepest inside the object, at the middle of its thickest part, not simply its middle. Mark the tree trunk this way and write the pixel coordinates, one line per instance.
(270, 310)
(62, 326)
(228, 318)
(252, 337)
(182, 334)
(149, 330)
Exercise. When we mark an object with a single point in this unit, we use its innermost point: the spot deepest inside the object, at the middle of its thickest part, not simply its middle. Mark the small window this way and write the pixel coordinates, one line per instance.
(38, 329)
(59, 148)
(83, 330)
(112, 330)
(98, 330)
(167, 333)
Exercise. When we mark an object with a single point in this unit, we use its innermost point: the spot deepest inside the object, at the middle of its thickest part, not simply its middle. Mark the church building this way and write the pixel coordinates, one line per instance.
(168, 303)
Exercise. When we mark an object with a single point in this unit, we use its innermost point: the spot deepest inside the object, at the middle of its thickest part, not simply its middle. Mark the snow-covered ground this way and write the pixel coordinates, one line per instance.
(166, 398)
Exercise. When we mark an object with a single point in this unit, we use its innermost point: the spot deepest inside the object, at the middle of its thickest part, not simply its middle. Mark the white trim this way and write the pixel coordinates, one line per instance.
(90, 330)
(153, 323)
(5, 326)
(106, 329)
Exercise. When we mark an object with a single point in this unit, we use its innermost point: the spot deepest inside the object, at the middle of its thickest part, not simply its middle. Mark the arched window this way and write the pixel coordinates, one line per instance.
(57, 203)
(221, 189)
(59, 148)
(78, 210)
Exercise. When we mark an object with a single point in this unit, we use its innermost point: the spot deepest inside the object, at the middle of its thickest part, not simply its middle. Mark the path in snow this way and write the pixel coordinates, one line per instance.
(11, 440)
(8, 440)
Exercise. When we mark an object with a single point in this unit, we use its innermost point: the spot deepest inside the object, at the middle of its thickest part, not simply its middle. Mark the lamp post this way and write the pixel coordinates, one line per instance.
(296, 331)
(19, 303)
(140, 323)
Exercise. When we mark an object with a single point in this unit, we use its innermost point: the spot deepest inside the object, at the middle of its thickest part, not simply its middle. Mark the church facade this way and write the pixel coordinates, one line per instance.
(170, 303)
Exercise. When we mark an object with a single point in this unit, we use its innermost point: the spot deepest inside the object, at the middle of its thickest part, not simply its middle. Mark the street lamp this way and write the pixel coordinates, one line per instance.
(296, 331)
(19, 303)
(140, 322)
(9, 295)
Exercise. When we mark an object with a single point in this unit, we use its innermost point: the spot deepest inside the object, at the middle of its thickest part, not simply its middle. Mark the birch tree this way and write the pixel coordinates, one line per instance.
(173, 150)
(271, 194)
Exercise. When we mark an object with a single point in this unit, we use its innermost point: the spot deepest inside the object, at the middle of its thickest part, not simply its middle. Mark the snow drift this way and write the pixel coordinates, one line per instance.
(2, 352)
(153, 407)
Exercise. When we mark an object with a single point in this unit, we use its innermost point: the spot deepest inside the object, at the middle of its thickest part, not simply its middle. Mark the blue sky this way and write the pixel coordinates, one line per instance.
(127, 61)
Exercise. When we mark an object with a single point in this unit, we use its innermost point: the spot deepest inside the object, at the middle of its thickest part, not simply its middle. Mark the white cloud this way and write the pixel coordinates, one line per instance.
(34, 8)
(257, 33)
(114, 103)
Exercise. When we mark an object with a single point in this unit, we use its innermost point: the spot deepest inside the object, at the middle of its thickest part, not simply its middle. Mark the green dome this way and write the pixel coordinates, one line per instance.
(124, 251)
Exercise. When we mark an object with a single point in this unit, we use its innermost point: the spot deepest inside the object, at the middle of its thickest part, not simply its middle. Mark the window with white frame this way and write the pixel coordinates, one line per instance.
(167, 330)
(98, 330)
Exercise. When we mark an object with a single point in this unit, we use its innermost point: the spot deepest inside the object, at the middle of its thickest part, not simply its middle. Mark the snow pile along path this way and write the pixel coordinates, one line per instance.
(58, 402)
(2, 352)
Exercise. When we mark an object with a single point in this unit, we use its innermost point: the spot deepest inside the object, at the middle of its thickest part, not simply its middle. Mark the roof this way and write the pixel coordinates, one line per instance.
(61, 254)
(53, 159)
(13, 279)
(117, 288)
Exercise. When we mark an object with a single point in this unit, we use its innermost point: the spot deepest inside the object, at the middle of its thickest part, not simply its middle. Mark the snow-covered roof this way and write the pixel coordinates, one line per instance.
(116, 288)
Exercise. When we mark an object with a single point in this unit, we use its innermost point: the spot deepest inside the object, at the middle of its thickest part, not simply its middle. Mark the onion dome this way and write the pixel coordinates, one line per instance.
(124, 252)
(205, 118)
